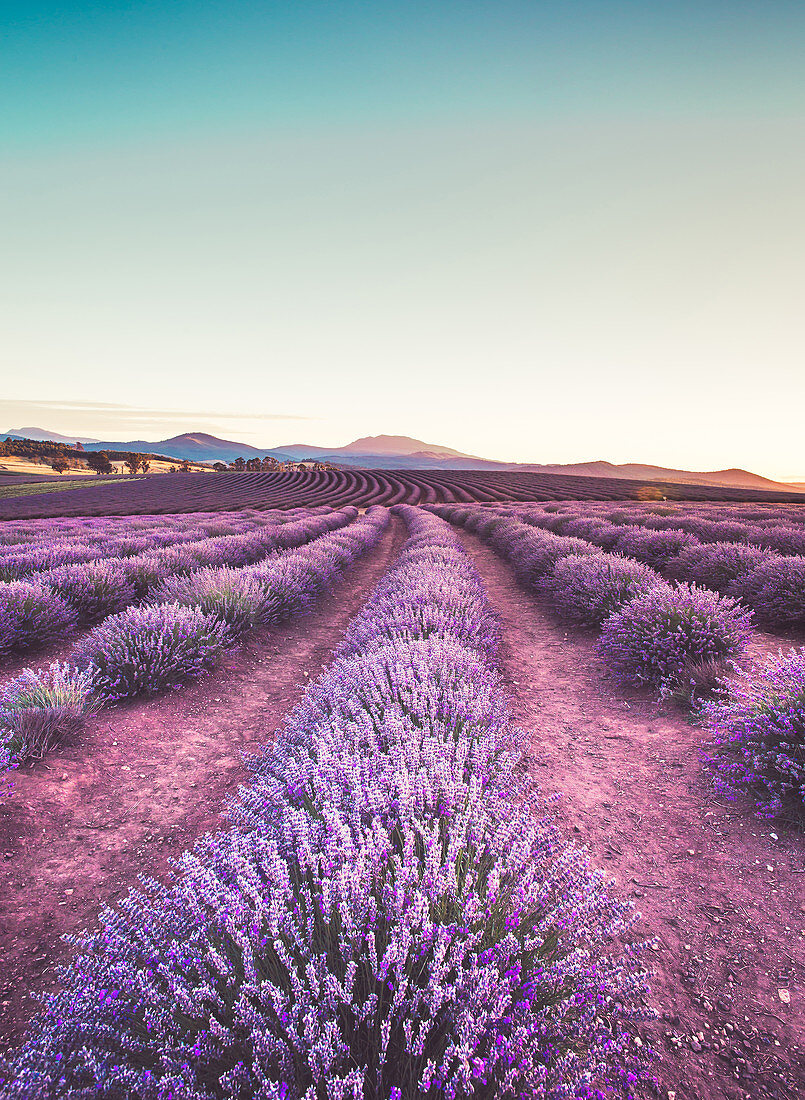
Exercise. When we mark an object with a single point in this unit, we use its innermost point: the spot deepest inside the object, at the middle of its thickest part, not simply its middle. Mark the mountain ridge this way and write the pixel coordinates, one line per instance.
(407, 453)
(42, 436)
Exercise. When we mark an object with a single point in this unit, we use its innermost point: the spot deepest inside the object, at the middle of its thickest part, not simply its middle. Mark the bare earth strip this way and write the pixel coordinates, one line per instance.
(142, 783)
(724, 900)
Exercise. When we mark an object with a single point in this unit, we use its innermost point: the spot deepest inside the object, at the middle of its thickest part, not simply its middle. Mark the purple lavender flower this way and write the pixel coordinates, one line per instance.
(146, 649)
(588, 588)
(32, 615)
(757, 729)
(717, 565)
(650, 640)
(93, 589)
(776, 592)
(654, 548)
(41, 709)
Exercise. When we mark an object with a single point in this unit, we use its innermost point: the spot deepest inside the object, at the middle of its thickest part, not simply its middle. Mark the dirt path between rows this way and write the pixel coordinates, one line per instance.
(142, 783)
(721, 894)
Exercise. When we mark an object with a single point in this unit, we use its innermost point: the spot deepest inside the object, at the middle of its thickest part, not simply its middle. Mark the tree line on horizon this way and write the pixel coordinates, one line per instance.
(239, 465)
(62, 457)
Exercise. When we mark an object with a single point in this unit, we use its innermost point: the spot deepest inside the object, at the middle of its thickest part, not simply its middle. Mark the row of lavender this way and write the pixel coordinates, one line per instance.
(678, 637)
(17, 535)
(180, 634)
(775, 527)
(54, 603)
(88, 543)
(385, 919)
(764, 567)
(652, 632)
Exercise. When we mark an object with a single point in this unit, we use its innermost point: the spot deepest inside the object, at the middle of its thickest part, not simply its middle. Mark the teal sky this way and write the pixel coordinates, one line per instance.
(534, 231)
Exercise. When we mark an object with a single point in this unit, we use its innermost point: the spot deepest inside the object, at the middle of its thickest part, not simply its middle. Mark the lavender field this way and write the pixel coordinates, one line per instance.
(402, 551)
(389, 905)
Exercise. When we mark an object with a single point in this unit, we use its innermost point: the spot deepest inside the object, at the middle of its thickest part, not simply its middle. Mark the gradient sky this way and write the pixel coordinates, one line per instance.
(535, 231)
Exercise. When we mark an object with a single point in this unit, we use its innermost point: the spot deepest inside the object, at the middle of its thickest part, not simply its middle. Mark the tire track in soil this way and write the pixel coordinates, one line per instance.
(730, 932)
(142, 783)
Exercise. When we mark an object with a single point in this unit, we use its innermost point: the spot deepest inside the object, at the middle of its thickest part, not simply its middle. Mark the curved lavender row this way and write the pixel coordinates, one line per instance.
(50, 554)
(148, 649)
(757, 725)
(37, 611)
(16, 535)
(767, 572)
(387, 919)
(676, 639)
(779, 529)
(182, 634)
(173, 493)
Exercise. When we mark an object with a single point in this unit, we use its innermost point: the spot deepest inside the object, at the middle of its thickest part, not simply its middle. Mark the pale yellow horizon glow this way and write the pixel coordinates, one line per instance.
(629, 290)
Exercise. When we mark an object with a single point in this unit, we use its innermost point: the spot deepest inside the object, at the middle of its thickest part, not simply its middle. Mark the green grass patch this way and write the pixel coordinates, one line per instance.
(34, 487)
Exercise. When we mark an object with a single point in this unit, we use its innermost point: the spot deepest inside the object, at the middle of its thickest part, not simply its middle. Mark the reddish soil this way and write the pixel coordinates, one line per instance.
(13, 664)
(722, 892)
(141, 784)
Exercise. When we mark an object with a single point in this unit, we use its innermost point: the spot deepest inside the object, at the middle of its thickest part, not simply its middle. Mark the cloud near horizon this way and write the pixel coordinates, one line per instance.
(108, 418)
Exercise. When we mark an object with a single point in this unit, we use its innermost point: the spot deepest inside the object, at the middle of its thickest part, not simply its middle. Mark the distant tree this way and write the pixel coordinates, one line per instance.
(60, 465)
(239, 464)
(172, 470)
(185, 467)
(219, 467)
(253, 464)
(268, 463)
(145, 465)
(99, 462)
(79, 446)
(134, 462)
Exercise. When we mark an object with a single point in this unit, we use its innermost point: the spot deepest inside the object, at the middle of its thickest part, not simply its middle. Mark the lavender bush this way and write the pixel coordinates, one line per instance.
(41, 709)
(653, 548)
(93, 589)
(233, 596)
(650, 639)
(145, 571)
(378, 964)
(424, 600)
(289, 585)
(776, 592)
(758, 736)
(605, 535)
(32, 615)
(534, 555)
(146, 649)
(785, 538)
(717, 565)
(588, 588)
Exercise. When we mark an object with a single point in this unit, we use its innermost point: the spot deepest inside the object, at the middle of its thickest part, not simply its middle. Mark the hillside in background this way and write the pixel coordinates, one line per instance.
(41, 435)
(395, 452)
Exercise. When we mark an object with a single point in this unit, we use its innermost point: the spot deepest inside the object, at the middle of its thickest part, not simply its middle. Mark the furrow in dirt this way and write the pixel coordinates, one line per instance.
(142, 782)
(721, 895)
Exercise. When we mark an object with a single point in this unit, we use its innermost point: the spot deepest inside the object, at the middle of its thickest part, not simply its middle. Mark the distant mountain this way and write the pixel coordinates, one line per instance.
(41, 435)
(398, 445)
(635, 471)
(378, 447)
(418, 460)
(401, 452)
(196, 446)
(383, 451)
